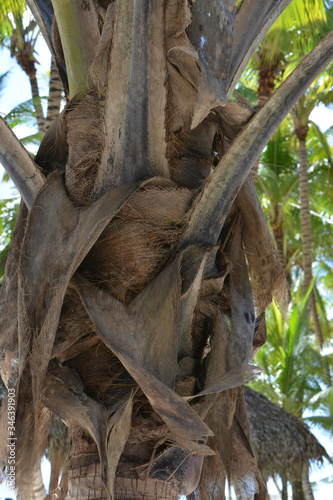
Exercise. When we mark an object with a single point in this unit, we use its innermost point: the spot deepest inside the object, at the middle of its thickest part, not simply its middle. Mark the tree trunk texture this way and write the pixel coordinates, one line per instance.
(284, 493)
(297, 488)
(307, 243)
(278, 237)
(37, 103)
(83, 469)
(305, 212)
(85, 481)
(55, 95)
(266, 83)
(308, 493)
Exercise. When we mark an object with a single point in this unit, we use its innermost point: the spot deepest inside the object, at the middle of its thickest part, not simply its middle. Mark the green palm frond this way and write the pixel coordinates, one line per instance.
(14, 8)
(290, 360)
(23, 114)
(324, 144)
(3, 80)
(323, 421)
(246, 91)
(302, 24)
(33, 139)
(310, 13)
(8, 214)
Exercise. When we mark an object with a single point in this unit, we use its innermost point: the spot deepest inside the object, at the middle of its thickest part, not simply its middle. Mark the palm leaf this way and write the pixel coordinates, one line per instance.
(323, 141)
(23, 114)
(323, 421)
(14, 7)
(34, 139)
(8, 216)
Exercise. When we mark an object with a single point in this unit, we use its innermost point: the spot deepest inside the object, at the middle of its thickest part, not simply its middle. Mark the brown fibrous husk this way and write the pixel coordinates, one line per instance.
(84, 120)
(135, 245)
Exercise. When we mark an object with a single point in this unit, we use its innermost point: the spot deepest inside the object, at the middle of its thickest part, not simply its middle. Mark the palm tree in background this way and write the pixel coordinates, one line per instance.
(21, 40)
(293, 376)
(301, 113)
(20, 36)
(274, 60)
(297, 30)
(278, 180)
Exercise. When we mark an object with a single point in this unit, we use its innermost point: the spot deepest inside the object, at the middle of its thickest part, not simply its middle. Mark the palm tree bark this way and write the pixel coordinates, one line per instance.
(37, 103)
(284, 493)
(308, 493)
(85, 478)
(296, 484)
(83, 469)
(305, 209)
(263, 493)
(278, 237)
(55, 95)
(307, 241)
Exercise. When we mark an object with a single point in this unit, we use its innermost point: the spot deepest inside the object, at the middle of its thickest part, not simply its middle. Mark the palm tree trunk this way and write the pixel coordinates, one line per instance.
(297, 489)
(37, 103)
(278, 237)
(55, 95)
(305, 213)
(85, 481)
(284, 494)
(83, 467)
(308, 494)
(307, 244)
(266, 83)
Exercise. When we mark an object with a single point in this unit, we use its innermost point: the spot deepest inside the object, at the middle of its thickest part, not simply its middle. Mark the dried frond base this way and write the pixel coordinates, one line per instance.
(138, 241)
(85, 139)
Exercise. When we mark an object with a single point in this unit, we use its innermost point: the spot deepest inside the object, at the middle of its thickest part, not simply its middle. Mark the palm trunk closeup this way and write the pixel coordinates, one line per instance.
(135, 289)
(55, 95)
(37, 103)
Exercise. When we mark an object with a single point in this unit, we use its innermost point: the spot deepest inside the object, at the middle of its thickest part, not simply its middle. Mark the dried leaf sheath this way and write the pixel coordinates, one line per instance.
(41, 287)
